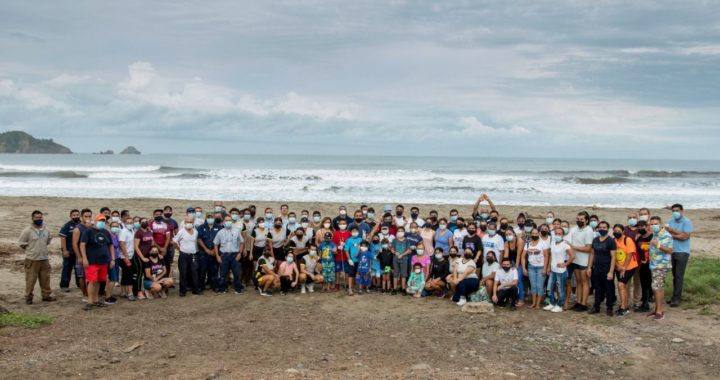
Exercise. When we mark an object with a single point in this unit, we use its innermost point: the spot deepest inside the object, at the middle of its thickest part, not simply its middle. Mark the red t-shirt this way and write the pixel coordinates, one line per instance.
(159, 231)
(339, 238)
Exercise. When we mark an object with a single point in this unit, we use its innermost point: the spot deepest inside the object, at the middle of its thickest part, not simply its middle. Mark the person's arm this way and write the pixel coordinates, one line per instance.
(148, 274)
(495, 290)
(124, 251)
(546, 267)
(83, 256)
(167, 241)
(590, 262)
(490, 202)
(63, 242)
(112, 256)
(24, 239)
(297, 275)
(76, 240)
(611, 273)
(571, 257)
(477, 205)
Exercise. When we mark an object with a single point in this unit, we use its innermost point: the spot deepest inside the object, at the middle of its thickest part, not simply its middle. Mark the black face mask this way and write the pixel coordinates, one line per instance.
(468, 255)
(580, 224)
(278, 226)
(483, 228)
(398, 213)
(494, 220)
(414, 215)
(642, 231)
(167, 215)
(471, 232)
(218, 221)
(490, 260)
(252, 213)
(376, 241)
(153, 254)
(76, 220)
(506, 269)
(521, 225)
(544, 233)
(503, 226)
(358, 220)
(433, 218)
(617, 235)
(143, 224)
(158, 218)
(535, 237)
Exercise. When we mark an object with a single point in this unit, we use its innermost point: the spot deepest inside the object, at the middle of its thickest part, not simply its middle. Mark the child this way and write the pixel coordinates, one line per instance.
(352, 249)
(339, 237)
(416, 282)
(310, 270)
(376, 270)
(386, 262)
(400, 249)
(364, 263)
(327, 259)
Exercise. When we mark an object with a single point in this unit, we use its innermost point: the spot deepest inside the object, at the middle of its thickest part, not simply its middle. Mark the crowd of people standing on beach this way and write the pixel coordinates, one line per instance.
(483, 256)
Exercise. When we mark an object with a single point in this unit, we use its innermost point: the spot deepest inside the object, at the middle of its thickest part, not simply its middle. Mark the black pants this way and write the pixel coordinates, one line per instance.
(645, 282)
(604, 288)
(285, 283)
(138, 274)
(507, 294)
(168, 259)
(679, 263)
(188, 266)
(126, 273)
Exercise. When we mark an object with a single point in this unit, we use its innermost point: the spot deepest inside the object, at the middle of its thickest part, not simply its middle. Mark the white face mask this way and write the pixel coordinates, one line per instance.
(326, 225)
(189, 226)
(342, 227)
(304, 225)
(313, 253)
(418, 271)
(438, 256)
(363, 249)
(400, 234)
(354, 234)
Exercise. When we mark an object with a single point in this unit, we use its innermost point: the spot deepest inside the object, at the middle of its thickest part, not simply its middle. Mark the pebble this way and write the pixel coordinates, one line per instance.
(678, 340)
(421, 367)
(510, 374)
(171, 356)
(610, 372)
(211, 376)
(114, 360)
(292, 371)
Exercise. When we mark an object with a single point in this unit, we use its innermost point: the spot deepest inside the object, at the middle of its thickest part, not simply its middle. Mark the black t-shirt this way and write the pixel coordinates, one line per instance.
(643, 248)
(97, 245)
(262, 261)
(602, 251)
(155, 267)
(473, 242)
(440, 269)
(386, 258)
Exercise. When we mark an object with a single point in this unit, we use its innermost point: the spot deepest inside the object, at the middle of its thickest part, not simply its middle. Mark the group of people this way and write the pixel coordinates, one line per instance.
(482, 256)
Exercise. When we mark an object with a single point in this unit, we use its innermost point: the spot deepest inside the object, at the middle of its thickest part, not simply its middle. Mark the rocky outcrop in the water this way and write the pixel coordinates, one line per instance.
(21, 142)
(130, 150)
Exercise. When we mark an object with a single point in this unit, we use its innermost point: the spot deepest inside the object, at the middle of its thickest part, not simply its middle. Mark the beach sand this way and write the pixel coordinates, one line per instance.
(332, 335)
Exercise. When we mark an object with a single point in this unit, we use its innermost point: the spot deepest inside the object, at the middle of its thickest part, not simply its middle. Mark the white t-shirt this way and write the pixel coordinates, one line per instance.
(535, 254)
(502, 277)
(558, 255)
(462, 267)
(127, 236)
(581, 237)
(492, 244)
(187, 240)
(458, 236)
(400, 221)
(490, 268)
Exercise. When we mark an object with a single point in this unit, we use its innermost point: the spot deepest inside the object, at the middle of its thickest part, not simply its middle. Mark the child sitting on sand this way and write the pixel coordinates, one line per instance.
(416, 282)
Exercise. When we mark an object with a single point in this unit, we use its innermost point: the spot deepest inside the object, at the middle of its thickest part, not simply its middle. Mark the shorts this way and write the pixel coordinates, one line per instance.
(658, 278)
(257, 253)
(79, 270)
(96, 273)
(114, 272)
(342, 266)
(400, 267)
(363, 279)
(628, 275)
(350, 270)
(578, 267)
(147, 284)
(376, 273)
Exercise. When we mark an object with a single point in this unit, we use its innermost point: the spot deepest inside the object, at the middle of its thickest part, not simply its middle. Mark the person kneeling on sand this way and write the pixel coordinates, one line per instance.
(464, 278)
(289, 274)
(310, 270)
(265, 274)
(506, 289)
(156, 280)
(438, 272)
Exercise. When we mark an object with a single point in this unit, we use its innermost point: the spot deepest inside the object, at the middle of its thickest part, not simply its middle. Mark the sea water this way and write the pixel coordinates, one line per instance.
(372, 179)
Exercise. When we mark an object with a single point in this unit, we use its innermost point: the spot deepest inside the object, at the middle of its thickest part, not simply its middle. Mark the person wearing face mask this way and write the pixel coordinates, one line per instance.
(310, 270)
(247, 225)
(594, 221)
(439, 270)
(514, 250)
(433, 219)
(96, 250)
(376, 270)
(156, 280)
(492, 242)
(472, 241)
(34, 241)
(415, 216)
(421, 256)
(342, 216)
(561, 257)
(680, 228)
(545, 235)
(459, 233)
(207, 262)
(289, 274)
(258, 241)
(359, 223)
(642, 279)
(351, 249)
(292, 223)
(534, 262)
(505, 289)
(480, 209)
(488, 273)
(229, 250)
(386, 264)
(364, 265)
(126, 254)
(186, 242)
(443, 236)
(453, 258)
(340, 237)
(465, 279)
(324, 227)
(399, 220)
(581, 239)
(660, 254)
(454, 216)
(416, 281)
(199, 217)
(520, 221)
(85, 223)
(601, 269)
(400, 249)
(644, 215)
(298, 243)
(269, 218)
(625, 266)
(631, 227)
(412, 234)
(68, 253)
(278, 236)
(161, 233)
(142, 242)
(309, 229)
(266, 278)
(327, 250)
(114, 270)
(504, 226)
(173, 228)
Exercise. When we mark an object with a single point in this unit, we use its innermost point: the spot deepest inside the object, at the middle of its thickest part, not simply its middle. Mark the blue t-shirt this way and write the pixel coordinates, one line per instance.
(97, 245)
(442, 240)
(207, 234)
(364, 262)
(352, 247)
(67, 232)
(682, 225)
(325, 249)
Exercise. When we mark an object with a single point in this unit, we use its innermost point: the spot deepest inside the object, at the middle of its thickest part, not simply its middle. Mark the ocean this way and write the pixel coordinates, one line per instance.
(372, 179)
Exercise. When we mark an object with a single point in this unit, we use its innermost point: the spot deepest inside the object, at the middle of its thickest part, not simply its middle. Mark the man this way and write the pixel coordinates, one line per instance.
(342, 216)
(415, 216)
(291, 224)
(581, 238)
(96, 250)
(454, 216)
(631, 227)
(69, 256)
(661, 249)
(642, 279)
(34, 240)
(644, 214)
(601, 269)
(399, 219)
(680, 228)
(229, 249)
(284, 213)
(505, 287)
(207, 264)
(186, 241)
(85, 223)
(199, 217)
(484, 213)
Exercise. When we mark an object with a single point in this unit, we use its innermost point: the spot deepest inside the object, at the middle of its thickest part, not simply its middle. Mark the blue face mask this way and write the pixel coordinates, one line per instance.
(228, 224)
(510, 238)
(235, 216)
(454, 218)
(492, 232)
(593, 224)
(100, 225)
(655, 228)
(370, 215)
(218, 209)
(289, 260)
(557, 238)
(246, 217)
(136, 224)
(268, 216)
(291, 220)
(198, 215)
(210, 221)
(677, 215)
(484, 216)
(632, 222)
(115, 230)
(603, 232)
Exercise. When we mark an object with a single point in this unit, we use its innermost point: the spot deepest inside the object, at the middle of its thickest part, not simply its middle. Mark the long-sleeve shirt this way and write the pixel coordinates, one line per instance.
(416, 280)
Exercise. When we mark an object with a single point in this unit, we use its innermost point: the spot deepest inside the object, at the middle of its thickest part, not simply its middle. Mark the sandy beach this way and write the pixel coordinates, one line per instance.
(332, 335)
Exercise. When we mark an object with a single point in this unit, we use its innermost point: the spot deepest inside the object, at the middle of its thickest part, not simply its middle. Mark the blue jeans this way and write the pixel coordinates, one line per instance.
(207, 270)
(520, 286)
(537, 279)
(465, 288)
(228, 264)
(559, 279)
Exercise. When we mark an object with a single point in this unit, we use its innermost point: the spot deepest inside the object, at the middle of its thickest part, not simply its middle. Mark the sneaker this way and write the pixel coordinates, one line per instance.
(264, 294)
(651, 314)
(88, 307)
(609, 312)
(557, 309)
(110, 301)
(623, 312)
(141, 295)
(674, 304)
(644, 308)
(594, 311)
(65, 290)
(311, 288)
(302, 289)
(84, 299)
(513, 307)
(181, 294)
(131, 297)
(549, 307)
(49, 299)
(163, 295)
(462, 301)
(659, 316)
(238, 291)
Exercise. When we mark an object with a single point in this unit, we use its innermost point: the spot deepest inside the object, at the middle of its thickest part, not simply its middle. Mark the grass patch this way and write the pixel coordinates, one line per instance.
(701, 285)
(30, 321)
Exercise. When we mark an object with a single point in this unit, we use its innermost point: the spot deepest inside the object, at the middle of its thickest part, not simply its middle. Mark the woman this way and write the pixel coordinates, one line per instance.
(289, 274)
(601, 269)
(310, 270)
(428, 236)
(626, 265)
(278, 236)
(143, 243)
(443, 236)
(323, 227)
(299, 243)
(265, 274)
(561, 256)
(534, 264)
(438, 272)
(453, 259)
(514, 250)
(545, 234)
(259, 238)
(156, 280)
(488, 273)
(464, 278)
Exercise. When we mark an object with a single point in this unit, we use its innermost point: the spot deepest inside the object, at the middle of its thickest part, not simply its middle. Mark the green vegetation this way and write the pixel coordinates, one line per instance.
(30, 321)
(701, 286)
(21, 142)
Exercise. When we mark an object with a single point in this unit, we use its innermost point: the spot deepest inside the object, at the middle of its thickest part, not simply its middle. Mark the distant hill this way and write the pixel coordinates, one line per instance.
(130, 150)
(21, 142)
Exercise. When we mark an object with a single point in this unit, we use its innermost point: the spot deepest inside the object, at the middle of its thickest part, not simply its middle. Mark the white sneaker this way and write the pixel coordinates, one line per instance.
(302, 289)
(311, 288)
(557, 309)
(462, 301)
(549, 307)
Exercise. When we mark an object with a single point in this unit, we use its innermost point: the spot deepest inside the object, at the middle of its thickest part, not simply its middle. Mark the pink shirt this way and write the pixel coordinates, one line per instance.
(287, 269)
(424, 261)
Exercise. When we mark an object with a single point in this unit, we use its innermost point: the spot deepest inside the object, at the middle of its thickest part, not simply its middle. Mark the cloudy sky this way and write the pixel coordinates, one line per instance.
(473, 78)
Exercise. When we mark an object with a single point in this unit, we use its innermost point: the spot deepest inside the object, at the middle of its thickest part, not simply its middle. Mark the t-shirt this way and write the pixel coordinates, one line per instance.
(535, 253)
(310, 263)
(602, 250)
(364, 262)
(146, 241)
(260, 237)
(187, 240)
(413, 239)
(643, 247)
(386, 258)
(339, 238)
(424, 261)
(155, 267)
(580, 238)
(159, 231)
(506, 278)
(462, 267)
(269, 261)
(558, 255)
(287, 269)
(459, 237)
(658, 258)
(352, 247)
(277, 237)
(473, 242)
(490, 268)
(492, 244)
(67, 232)
(97, 245)
(326, 252)
(127, 238)
(440, 269)
(626, 247)
(682, 225)
(399, 246)
(442, 240)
